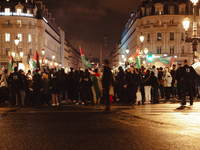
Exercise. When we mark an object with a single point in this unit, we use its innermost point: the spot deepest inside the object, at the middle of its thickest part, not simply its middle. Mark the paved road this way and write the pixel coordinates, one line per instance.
(146, 127)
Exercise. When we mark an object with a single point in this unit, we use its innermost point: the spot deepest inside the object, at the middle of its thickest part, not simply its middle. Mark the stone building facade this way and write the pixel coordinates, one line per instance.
(31, 22)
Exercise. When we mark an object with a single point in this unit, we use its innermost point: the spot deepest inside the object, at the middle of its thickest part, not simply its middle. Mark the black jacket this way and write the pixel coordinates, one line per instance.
(107, 77)
(132, 79)
(15, 79)
(121, 81)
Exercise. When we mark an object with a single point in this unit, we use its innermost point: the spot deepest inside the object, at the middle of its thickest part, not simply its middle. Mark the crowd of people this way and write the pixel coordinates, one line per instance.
(50, 87)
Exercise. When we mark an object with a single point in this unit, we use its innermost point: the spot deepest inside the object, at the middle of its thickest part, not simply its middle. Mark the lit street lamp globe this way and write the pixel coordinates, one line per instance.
(145, 51)
(186, 23)
(16, 40)
(194, 1)
(141, 38)
(127, 50)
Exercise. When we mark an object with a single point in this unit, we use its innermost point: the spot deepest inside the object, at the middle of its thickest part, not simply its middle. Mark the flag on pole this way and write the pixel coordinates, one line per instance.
(137, 59)
(87, 64)
(36, 63)
(11, 63)
(167, 60)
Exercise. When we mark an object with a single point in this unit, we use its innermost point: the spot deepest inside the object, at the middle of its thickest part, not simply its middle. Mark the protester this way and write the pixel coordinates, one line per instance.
(4, 87)
(54, 84)
(97, 94)
(45, 90)
(155, 86)
(24, 87)
(106, 82)
(15, 80)
(147, 86)
(167, 84)
(36, 88)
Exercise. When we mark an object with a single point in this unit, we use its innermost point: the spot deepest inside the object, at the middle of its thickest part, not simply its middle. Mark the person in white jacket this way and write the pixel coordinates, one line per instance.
(167, 84)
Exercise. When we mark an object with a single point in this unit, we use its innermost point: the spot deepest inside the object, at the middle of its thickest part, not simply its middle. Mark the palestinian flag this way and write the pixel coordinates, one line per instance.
(87, 64)
(137, 59)
(36, 63)
(167, 60)
(11, 63)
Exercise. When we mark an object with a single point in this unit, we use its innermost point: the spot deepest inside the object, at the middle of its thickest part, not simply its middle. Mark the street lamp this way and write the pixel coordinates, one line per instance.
(145, 51)
(53, 57)
(42, 62)
(194, 39)
(123, 56)
(19, 54)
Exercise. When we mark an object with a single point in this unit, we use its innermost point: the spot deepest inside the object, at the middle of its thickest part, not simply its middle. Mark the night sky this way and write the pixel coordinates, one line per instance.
(85, 22)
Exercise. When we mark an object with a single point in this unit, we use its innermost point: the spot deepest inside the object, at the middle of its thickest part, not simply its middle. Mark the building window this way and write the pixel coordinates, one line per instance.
(7, 37)
(7, 51)
(36, 39)
(19, 23)
(7, 11)
(7, 22)
(182, 49)
(158, 36)
(148, 23)
(19, 11)
(171, 10)
(158, 49)
(148, 37)
(28, 11)
(171, 49)
(171, 36)
(45, 42)
(29, 38)
(53, 47)
(182, 36)
(159, 11)
(20, 37)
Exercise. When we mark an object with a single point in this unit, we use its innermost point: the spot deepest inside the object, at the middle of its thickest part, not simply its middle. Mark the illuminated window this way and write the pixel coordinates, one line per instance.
(45, 42)
(36, 39)
(7, 51)
(7, 37)
(20, 37)
(29, 38)
(28, 11)
(26, 1)
(19, 23)
(159, 37)
(7, 11)
(7, 22)
(159, 10)
(19, 11)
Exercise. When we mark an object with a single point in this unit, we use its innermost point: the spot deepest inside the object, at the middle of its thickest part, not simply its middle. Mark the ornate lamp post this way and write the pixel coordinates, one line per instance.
(19, 54)
(194, 39)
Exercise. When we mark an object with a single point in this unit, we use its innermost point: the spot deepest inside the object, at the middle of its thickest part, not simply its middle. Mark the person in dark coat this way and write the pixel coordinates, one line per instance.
(15, 80)
(106, 82)
(187, 74)
(63, 85)
(36, 88)
(71, 85)
(173, 74)
(45, 90)
(132, 83)
(76, 86)
(86, 83)
(121, 82)
(155, 86)
(54, 85)
(161, 81)
(147, 80)
(179, 82)
(24, 87)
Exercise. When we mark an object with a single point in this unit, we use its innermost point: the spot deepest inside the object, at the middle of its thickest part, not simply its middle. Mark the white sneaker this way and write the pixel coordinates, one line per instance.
(53, 104)
(57, 104)
(82, 103)
(76, 103)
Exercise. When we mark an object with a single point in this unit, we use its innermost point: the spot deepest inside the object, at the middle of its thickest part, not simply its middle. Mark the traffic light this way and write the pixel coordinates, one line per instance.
(150, 57)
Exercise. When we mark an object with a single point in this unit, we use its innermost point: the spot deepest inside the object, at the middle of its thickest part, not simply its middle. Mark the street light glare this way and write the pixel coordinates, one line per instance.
(141, 38)
(21, 54)
(53, 57)
(13, 54)
(145, 50)
(127, 50)
(43, 51)
(186, 23)
(16, 40)
(194, 1)
(123, 56)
